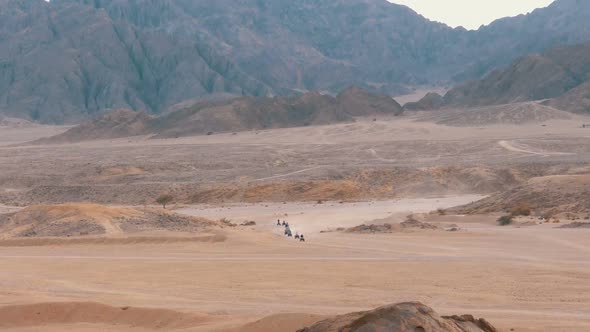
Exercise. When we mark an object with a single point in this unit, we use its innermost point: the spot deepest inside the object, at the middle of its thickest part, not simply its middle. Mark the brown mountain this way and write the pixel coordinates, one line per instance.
(562, 73)
(430, 101)
(576, 100)
(359, 102)
(67, 60)
(238, 114)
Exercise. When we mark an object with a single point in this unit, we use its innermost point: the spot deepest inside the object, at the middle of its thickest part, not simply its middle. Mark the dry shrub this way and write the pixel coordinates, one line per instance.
(522, 209)
(164, 199)
(505, 220)
(441, 212)
(570, 216)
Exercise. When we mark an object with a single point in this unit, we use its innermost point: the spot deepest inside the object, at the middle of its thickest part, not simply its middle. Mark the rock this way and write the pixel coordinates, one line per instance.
(385, 228)
(403, 317)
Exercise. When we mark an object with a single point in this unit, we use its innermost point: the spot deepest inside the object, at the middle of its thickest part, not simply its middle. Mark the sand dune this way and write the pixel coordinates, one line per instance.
(64, 313)
(279, 322)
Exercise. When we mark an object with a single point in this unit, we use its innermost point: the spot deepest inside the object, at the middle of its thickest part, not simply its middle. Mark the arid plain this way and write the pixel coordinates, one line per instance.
(324, 180)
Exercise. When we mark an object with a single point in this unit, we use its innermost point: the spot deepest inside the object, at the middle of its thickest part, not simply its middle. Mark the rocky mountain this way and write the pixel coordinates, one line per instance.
(233, 115)
(576, 100)
(403, 317)
(430, 101)
(561, 74)
(546, 195)
(65, 60)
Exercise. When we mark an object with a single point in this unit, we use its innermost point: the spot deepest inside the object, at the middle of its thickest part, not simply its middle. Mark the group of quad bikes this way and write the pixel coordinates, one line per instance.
(288, 232)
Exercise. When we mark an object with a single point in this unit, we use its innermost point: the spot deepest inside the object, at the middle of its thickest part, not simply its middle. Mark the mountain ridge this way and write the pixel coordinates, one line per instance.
(559, 78)
(67, 60)
(234, 115)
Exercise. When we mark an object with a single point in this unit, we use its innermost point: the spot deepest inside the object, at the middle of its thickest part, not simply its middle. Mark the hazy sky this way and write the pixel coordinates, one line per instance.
(471, 13)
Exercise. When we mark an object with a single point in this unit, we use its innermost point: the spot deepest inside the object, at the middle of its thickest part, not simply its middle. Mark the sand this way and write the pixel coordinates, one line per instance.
(526, 278)
(515, 277)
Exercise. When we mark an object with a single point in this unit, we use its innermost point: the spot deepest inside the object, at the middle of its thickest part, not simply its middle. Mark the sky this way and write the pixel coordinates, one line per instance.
(471, 14)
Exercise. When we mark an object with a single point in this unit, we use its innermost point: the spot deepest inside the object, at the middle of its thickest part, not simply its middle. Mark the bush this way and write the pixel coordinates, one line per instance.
(164, 199)
(505, 220)
(521, 209)
(441, 211)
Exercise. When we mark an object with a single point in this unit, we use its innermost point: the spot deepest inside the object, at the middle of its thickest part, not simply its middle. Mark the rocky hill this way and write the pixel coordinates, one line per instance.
(66, 60)
(91, 219)
(403, 317)
(576, 100)
(115, 124)
(549, 194)
(430, 101)
(561, 76)
(233, 115)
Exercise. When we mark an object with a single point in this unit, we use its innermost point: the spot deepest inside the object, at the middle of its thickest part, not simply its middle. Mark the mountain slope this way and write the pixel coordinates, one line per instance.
(562, 73)
(62, 62)
(576, 100)
(238, 114)
(66, 60)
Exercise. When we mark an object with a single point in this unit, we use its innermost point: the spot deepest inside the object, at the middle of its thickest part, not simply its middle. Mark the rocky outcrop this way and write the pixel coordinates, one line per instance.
(85, 219)
(430, 101)
(355, 101)
(403, 317)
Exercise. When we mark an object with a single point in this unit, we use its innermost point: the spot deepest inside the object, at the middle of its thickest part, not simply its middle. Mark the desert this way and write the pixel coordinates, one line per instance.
(200, 269)
(294, 166)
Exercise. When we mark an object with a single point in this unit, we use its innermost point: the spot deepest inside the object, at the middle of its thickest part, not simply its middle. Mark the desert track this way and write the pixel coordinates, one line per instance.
(529, 278)
(511, 146)
(286, 175)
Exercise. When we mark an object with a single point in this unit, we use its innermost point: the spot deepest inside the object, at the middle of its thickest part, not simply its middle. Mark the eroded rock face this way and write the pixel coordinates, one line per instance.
(403, 317)
(62, 61)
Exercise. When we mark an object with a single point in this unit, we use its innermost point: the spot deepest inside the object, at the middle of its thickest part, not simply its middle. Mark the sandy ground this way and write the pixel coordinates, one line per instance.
(529, 278)
(533, 278)
(10, 136)
(314, 218)
(136, 170)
